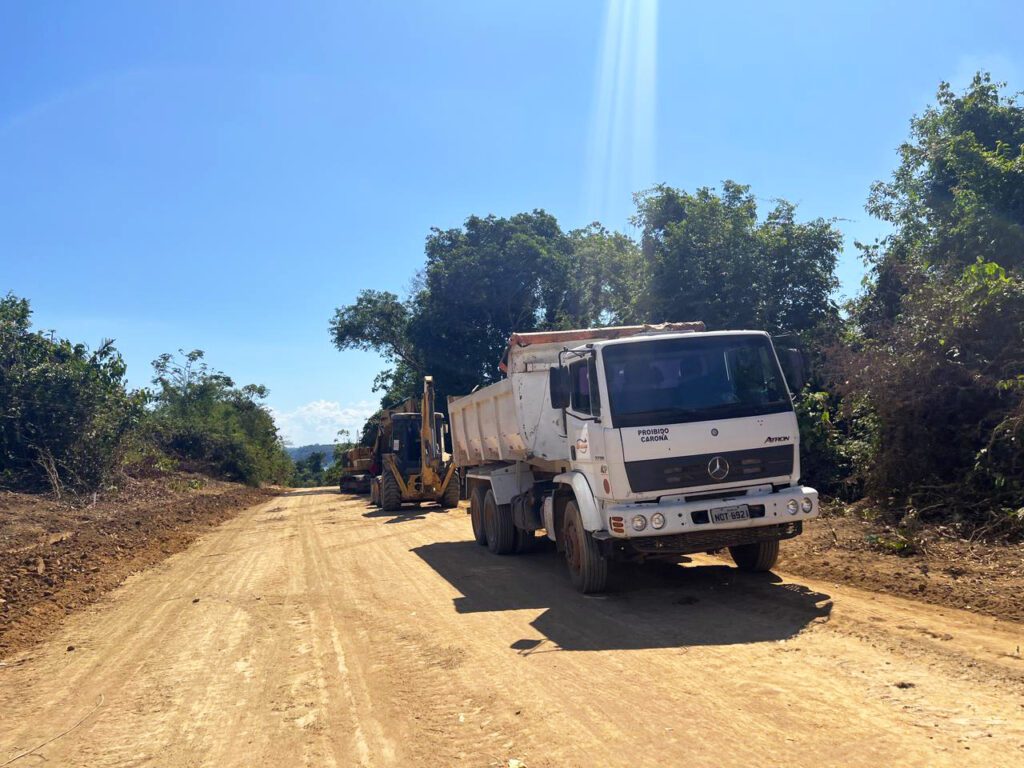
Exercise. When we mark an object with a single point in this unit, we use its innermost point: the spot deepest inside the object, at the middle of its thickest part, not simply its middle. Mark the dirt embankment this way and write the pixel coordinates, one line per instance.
(56, 556)
(936, 568)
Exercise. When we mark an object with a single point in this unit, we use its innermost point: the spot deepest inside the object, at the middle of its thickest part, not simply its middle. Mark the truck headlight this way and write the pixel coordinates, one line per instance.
(657, 521)
(807, 505)
(793, 506)
(639, 522)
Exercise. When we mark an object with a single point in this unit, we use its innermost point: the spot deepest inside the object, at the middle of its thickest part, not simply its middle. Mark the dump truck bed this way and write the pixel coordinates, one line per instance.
(512, 419)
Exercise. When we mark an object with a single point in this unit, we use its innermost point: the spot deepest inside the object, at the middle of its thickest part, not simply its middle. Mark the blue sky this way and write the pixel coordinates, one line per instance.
(223, 175)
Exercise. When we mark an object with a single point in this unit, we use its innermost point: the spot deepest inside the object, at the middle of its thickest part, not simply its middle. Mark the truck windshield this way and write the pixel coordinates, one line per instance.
(670, 381)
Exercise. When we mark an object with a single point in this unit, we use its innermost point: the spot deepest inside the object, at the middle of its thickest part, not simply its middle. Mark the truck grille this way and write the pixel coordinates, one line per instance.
(702, 541)
(688, 471)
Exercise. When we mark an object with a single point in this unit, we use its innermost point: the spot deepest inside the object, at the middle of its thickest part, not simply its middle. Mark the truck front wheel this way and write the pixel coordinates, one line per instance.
(390, 493)
(759, 556)
(588, 568)
(498, 526)
(476, 515)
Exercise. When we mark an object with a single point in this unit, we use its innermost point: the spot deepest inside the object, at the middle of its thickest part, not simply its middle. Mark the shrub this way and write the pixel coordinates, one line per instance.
(64, 410)
(201, 419)
(945, 386)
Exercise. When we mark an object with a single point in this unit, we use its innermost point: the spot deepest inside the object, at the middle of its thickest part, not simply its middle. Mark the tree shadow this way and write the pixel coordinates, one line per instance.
(314, 492)
(651, 606)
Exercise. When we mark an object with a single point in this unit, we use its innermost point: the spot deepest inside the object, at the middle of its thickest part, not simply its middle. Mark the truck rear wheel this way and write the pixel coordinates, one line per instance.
(476, 515)
(450, 498)
(498, 526)
(588, 568)
(525, 541)
(759, 556)
(390, 493)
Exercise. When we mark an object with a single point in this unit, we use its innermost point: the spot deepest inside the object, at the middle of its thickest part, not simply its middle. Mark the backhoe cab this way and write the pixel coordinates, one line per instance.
(410, 457)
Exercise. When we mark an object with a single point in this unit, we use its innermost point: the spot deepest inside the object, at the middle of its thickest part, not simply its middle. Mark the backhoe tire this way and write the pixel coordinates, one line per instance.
(757, 557)
(588, 568)
(498, 526)
(450, 499)
(390, 493)
(476, 515)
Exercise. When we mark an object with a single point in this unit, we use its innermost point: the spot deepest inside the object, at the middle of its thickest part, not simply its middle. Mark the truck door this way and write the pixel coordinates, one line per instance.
(582, 414)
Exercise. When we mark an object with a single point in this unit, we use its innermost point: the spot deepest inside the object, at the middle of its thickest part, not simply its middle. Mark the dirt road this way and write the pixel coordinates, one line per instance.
(312, 630)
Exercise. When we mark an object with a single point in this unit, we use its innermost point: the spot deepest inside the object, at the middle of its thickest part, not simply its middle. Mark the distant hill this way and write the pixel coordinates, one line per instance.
(304, 451)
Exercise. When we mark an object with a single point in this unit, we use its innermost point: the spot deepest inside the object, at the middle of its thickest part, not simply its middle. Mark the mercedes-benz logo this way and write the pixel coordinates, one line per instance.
(718, 468)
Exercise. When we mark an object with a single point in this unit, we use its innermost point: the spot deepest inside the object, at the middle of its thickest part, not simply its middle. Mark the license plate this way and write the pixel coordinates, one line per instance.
(730, 514)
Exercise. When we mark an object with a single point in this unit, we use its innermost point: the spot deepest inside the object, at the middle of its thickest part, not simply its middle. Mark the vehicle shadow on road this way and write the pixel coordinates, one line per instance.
(653, 606)
(404, 515)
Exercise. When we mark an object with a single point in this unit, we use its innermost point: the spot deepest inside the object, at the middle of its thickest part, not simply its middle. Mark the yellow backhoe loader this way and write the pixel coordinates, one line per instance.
(410, 457)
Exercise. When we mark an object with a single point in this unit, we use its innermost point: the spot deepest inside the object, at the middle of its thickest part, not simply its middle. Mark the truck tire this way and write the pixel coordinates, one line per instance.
(498, 526)
(450, 499)
(525, 541)
(476, 515)
(588, 568)
(759, 556)
(390, 493)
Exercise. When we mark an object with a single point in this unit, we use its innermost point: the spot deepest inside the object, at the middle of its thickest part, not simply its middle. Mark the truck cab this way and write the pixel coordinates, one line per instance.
(685, 433)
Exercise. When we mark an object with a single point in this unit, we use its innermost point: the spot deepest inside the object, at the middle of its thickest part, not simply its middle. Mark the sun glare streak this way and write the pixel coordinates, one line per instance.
(621, 145)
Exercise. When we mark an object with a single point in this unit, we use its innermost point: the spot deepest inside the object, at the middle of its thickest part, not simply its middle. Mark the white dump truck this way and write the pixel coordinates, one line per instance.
(635, 442)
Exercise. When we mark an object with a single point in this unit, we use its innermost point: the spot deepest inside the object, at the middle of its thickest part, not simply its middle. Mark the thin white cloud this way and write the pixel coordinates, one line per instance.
(320, 420)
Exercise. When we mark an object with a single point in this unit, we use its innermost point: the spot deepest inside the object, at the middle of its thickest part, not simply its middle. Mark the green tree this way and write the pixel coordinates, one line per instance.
(706, 256)
(64, 409)
(207, 423)
(605, 271)
(934, 353)
(956, 196)
(309, 472)
(481, 283)
(379, 321)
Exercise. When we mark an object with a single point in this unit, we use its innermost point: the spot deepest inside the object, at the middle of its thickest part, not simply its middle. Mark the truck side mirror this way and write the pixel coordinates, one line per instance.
(558, 385)
(795, 368)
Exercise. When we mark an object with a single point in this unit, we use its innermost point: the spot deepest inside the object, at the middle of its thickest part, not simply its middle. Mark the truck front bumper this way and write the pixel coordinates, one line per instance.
(773, 509)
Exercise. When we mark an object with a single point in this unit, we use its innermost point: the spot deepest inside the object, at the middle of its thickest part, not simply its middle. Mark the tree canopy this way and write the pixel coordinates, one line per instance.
(956, 196)
(495, 276)
(707, 256)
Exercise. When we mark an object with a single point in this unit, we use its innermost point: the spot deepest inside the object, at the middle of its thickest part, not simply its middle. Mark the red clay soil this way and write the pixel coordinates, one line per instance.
(937, 568)
(56, 556)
